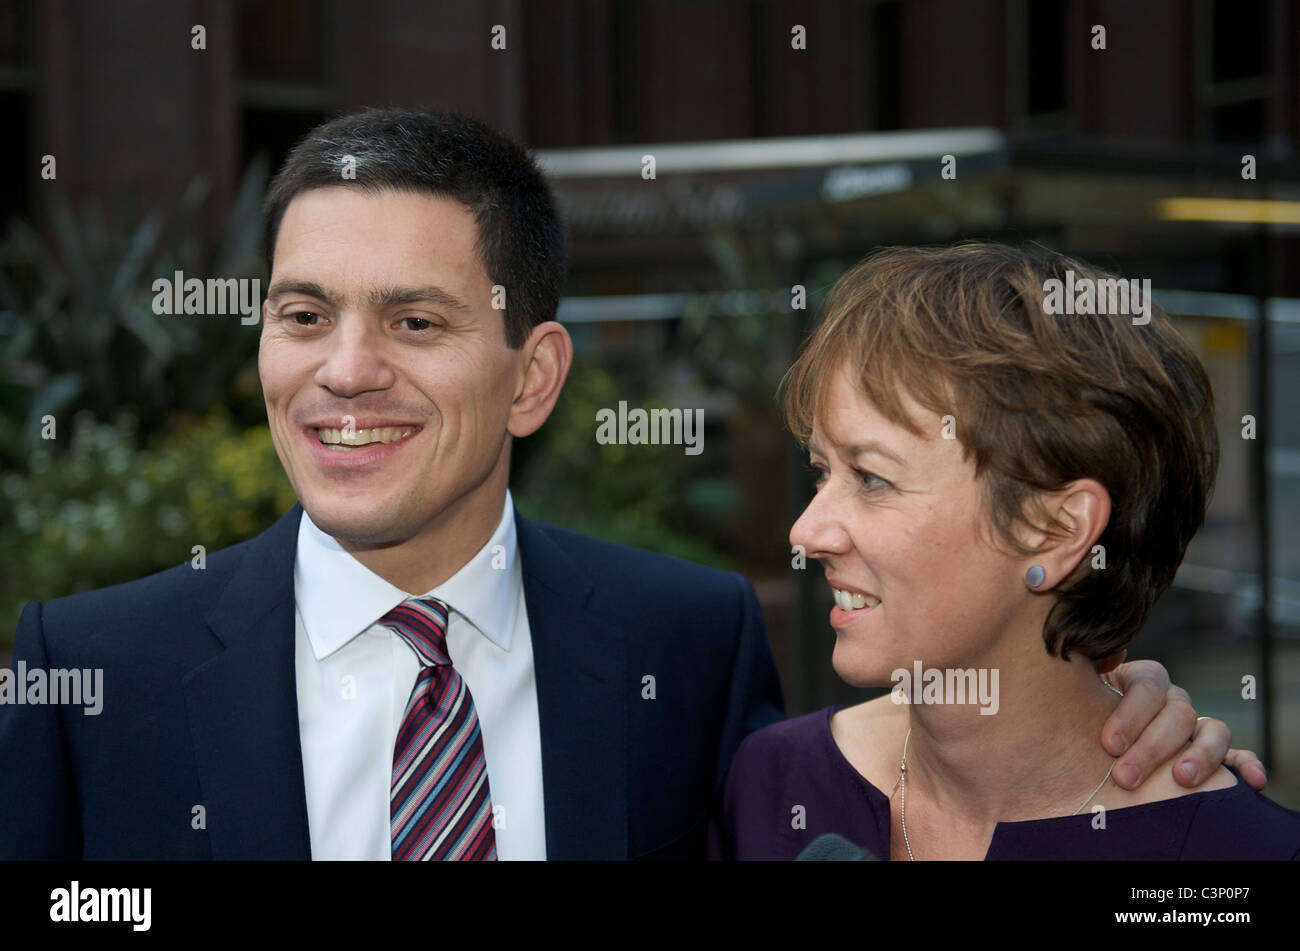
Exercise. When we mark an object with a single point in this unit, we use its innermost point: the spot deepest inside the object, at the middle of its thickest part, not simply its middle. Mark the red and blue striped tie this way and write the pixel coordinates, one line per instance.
(441, 807)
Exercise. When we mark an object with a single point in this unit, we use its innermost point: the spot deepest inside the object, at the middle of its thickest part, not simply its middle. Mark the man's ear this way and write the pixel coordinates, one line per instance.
(547, 355)
(1081, 511)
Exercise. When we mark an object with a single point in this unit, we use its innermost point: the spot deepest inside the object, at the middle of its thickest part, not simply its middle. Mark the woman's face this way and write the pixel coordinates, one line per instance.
(900, 526)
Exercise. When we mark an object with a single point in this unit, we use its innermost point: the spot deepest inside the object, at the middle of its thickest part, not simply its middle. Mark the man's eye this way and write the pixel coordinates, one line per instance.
(417, 323)
(305, 318)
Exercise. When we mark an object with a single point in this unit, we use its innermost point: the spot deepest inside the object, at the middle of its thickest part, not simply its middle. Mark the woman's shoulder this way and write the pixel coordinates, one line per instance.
(1221, 821)
(868, 738)
(839, 744)
(788, 785)
(778, 743)
(1237, 822)
(1225, 817)
(1209, 823)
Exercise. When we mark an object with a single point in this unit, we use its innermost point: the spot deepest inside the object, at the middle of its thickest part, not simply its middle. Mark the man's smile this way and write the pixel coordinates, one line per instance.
(348, 439)
(352, 447)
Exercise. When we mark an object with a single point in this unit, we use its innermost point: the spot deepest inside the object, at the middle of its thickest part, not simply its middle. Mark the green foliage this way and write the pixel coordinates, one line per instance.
(77, 328)
(728, 351)
(147, 470)
(104, 512)
(743, 343)
(652, 497)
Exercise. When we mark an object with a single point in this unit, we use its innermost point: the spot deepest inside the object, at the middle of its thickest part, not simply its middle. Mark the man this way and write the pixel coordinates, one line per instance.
(402, 666)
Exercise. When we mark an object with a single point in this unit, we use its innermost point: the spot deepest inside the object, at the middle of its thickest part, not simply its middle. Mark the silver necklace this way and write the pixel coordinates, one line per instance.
(902, 782)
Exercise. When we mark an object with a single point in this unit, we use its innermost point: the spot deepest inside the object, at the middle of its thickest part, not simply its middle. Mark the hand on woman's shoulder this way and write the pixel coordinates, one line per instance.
(1161, 785)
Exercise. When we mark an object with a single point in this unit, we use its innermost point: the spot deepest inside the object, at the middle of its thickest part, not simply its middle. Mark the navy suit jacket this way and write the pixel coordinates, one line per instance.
(200, 706)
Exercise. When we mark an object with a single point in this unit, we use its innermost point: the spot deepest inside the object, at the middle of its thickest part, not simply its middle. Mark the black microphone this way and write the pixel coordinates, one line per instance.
(834, 848)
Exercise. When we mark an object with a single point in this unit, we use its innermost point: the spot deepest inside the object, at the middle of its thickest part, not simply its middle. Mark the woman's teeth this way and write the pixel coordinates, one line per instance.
(345, 440)
(852, 601)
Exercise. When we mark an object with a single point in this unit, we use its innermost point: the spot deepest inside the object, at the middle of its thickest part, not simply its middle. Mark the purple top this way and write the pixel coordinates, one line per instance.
(796, 763)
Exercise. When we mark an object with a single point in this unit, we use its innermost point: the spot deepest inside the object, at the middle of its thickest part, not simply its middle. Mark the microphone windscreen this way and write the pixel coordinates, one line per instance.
(834, 848)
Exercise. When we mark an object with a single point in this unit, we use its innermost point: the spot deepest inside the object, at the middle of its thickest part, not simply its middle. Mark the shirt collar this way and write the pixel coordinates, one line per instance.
(339, 598)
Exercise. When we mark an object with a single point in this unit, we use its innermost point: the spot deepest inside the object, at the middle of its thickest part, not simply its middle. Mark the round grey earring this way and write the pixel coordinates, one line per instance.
(1035, 576)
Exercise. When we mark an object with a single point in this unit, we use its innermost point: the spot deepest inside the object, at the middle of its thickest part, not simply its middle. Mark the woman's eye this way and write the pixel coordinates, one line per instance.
(870, 480)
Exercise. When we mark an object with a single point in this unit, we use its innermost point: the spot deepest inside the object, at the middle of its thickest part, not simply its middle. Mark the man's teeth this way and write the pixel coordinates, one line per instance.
(338, 439)
(852, 601)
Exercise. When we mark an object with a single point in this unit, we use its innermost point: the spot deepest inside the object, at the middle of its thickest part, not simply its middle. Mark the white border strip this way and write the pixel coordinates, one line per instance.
(756, 154)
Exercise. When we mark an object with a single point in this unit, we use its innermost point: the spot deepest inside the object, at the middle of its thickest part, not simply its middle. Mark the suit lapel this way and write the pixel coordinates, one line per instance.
(583, 688)
(243, 709)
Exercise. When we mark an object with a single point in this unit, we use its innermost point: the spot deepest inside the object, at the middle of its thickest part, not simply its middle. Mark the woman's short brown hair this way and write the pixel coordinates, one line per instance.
(1039, 401)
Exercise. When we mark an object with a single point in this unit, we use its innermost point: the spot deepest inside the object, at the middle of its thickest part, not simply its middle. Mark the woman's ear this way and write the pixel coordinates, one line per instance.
(1080, 512)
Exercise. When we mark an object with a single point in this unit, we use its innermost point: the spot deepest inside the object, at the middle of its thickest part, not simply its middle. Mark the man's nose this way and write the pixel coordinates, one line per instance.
(357, 360)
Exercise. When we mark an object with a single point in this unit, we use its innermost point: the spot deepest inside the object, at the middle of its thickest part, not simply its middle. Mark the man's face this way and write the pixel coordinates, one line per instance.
(387, 378)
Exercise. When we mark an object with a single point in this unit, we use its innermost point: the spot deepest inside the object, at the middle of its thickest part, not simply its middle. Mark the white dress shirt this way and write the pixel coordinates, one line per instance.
(355, 677)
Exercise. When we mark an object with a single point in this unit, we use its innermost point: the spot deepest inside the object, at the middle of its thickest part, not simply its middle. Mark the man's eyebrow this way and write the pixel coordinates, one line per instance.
(377, 299)
(382, 298)
(310, 288)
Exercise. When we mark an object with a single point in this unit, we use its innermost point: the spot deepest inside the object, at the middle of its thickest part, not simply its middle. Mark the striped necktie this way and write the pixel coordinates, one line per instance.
(441, 807)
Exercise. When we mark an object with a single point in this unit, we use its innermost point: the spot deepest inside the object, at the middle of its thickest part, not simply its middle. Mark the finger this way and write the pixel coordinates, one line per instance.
(1144, 698)
(1250, 767)
(1206, 753)
(1129, 674)
(1170, 721)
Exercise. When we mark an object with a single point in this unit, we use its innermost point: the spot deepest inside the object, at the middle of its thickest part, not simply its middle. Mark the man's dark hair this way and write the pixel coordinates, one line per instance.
(520, 235)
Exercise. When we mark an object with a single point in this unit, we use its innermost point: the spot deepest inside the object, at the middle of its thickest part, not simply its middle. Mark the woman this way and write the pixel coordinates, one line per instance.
(1002, 493)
